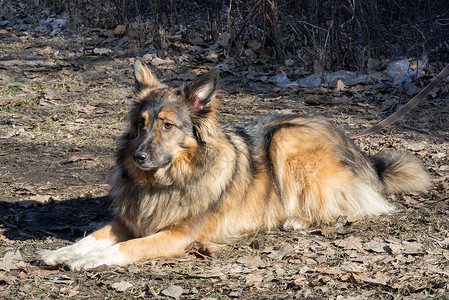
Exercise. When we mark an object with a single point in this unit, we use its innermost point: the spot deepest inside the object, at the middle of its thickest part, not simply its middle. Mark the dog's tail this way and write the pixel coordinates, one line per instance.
(401, 172)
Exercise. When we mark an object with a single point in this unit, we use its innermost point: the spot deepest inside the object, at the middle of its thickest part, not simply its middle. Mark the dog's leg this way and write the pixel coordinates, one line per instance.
(168, 243)
(103, 238)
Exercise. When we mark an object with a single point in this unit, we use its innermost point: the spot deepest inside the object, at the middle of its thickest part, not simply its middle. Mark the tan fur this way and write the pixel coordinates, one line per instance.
(199, 181)
(147, 77)
(146, 117)
(168, 243)
(115, 231)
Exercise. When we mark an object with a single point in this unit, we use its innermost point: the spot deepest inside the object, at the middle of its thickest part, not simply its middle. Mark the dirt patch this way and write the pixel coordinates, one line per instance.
(59, 121)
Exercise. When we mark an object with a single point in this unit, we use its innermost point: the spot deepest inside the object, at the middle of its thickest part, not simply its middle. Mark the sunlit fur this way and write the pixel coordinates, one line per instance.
(201, 181)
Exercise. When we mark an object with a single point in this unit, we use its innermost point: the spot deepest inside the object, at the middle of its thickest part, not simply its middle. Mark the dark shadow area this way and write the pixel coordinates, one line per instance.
(40, 64)
(67, 219)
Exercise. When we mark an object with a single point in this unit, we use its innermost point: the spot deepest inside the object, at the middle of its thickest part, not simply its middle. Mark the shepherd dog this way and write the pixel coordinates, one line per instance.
(181, 177)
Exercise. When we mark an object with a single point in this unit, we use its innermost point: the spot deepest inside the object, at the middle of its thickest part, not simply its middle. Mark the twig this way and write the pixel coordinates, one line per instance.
(245, 23)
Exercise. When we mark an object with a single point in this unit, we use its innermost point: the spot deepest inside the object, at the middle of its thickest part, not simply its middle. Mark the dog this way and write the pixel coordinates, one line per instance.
(181, 177)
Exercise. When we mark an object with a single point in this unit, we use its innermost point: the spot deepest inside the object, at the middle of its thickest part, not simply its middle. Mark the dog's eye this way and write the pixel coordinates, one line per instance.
(141, 124)
(168, 125)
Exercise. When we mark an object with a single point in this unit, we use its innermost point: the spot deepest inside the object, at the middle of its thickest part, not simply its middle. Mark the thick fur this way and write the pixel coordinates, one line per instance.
(181, 177)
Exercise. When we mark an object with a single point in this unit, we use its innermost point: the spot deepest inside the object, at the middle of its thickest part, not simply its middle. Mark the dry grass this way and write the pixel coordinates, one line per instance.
(336, 34)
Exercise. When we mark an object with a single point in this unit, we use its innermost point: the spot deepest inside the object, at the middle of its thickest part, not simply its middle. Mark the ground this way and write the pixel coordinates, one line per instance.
(62, 109)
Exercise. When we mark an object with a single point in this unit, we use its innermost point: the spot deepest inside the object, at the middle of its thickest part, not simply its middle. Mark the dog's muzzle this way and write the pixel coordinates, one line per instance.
(143, 161)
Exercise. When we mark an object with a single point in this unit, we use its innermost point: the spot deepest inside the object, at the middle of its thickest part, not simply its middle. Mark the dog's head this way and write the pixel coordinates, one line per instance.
(168, 124)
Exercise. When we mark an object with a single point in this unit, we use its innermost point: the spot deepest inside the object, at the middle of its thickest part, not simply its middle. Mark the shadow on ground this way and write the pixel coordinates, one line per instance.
(67, 219)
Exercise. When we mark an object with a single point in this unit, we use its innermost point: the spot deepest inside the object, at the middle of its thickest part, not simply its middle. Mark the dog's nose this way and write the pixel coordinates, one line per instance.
(140, 156)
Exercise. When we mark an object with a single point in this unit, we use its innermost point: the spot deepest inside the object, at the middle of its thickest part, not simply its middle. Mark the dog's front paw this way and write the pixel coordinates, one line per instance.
(64, 254)
(82, 248)
(109, 256)
(55, 257)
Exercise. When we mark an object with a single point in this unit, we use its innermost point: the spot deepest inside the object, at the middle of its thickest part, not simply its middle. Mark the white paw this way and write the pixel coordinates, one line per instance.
(61, 256)
(55, 257)
(108, 256)
(295, 224)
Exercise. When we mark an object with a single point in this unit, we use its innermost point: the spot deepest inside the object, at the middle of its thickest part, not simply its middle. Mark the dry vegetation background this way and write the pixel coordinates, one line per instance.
(65, 84)
(335, 33)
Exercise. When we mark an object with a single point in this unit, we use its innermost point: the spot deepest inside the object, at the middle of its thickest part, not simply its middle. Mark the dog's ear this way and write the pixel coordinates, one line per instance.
(202, 91)
(144, 77)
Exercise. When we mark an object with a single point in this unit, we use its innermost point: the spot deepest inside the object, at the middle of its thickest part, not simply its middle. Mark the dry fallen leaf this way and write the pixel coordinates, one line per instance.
(5, 101)
(223, 39)
(412, 247)
(120, 30)
(376, 246)
(255, 278)
(68, 291)
(416, 146)
(121, 286)
(159, 61)
(198, 249)
(40, 198)
(173, 291)
(12, 260)
(251, 261)
(337, 227)
(378, 278)
(279, 252)
(254, 44)
(212, 57)
(350, 243)
(75, 158)
(7, 279)
(187, 76)
(3, 238)
(101, 51)
(444, 243)
(340, 85)
(289, 62)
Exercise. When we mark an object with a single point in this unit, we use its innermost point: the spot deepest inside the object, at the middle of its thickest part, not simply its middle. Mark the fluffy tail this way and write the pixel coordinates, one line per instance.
(401, 172)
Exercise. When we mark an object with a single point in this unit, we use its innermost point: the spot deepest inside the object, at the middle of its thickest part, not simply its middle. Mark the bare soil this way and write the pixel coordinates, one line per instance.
(62, 109)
